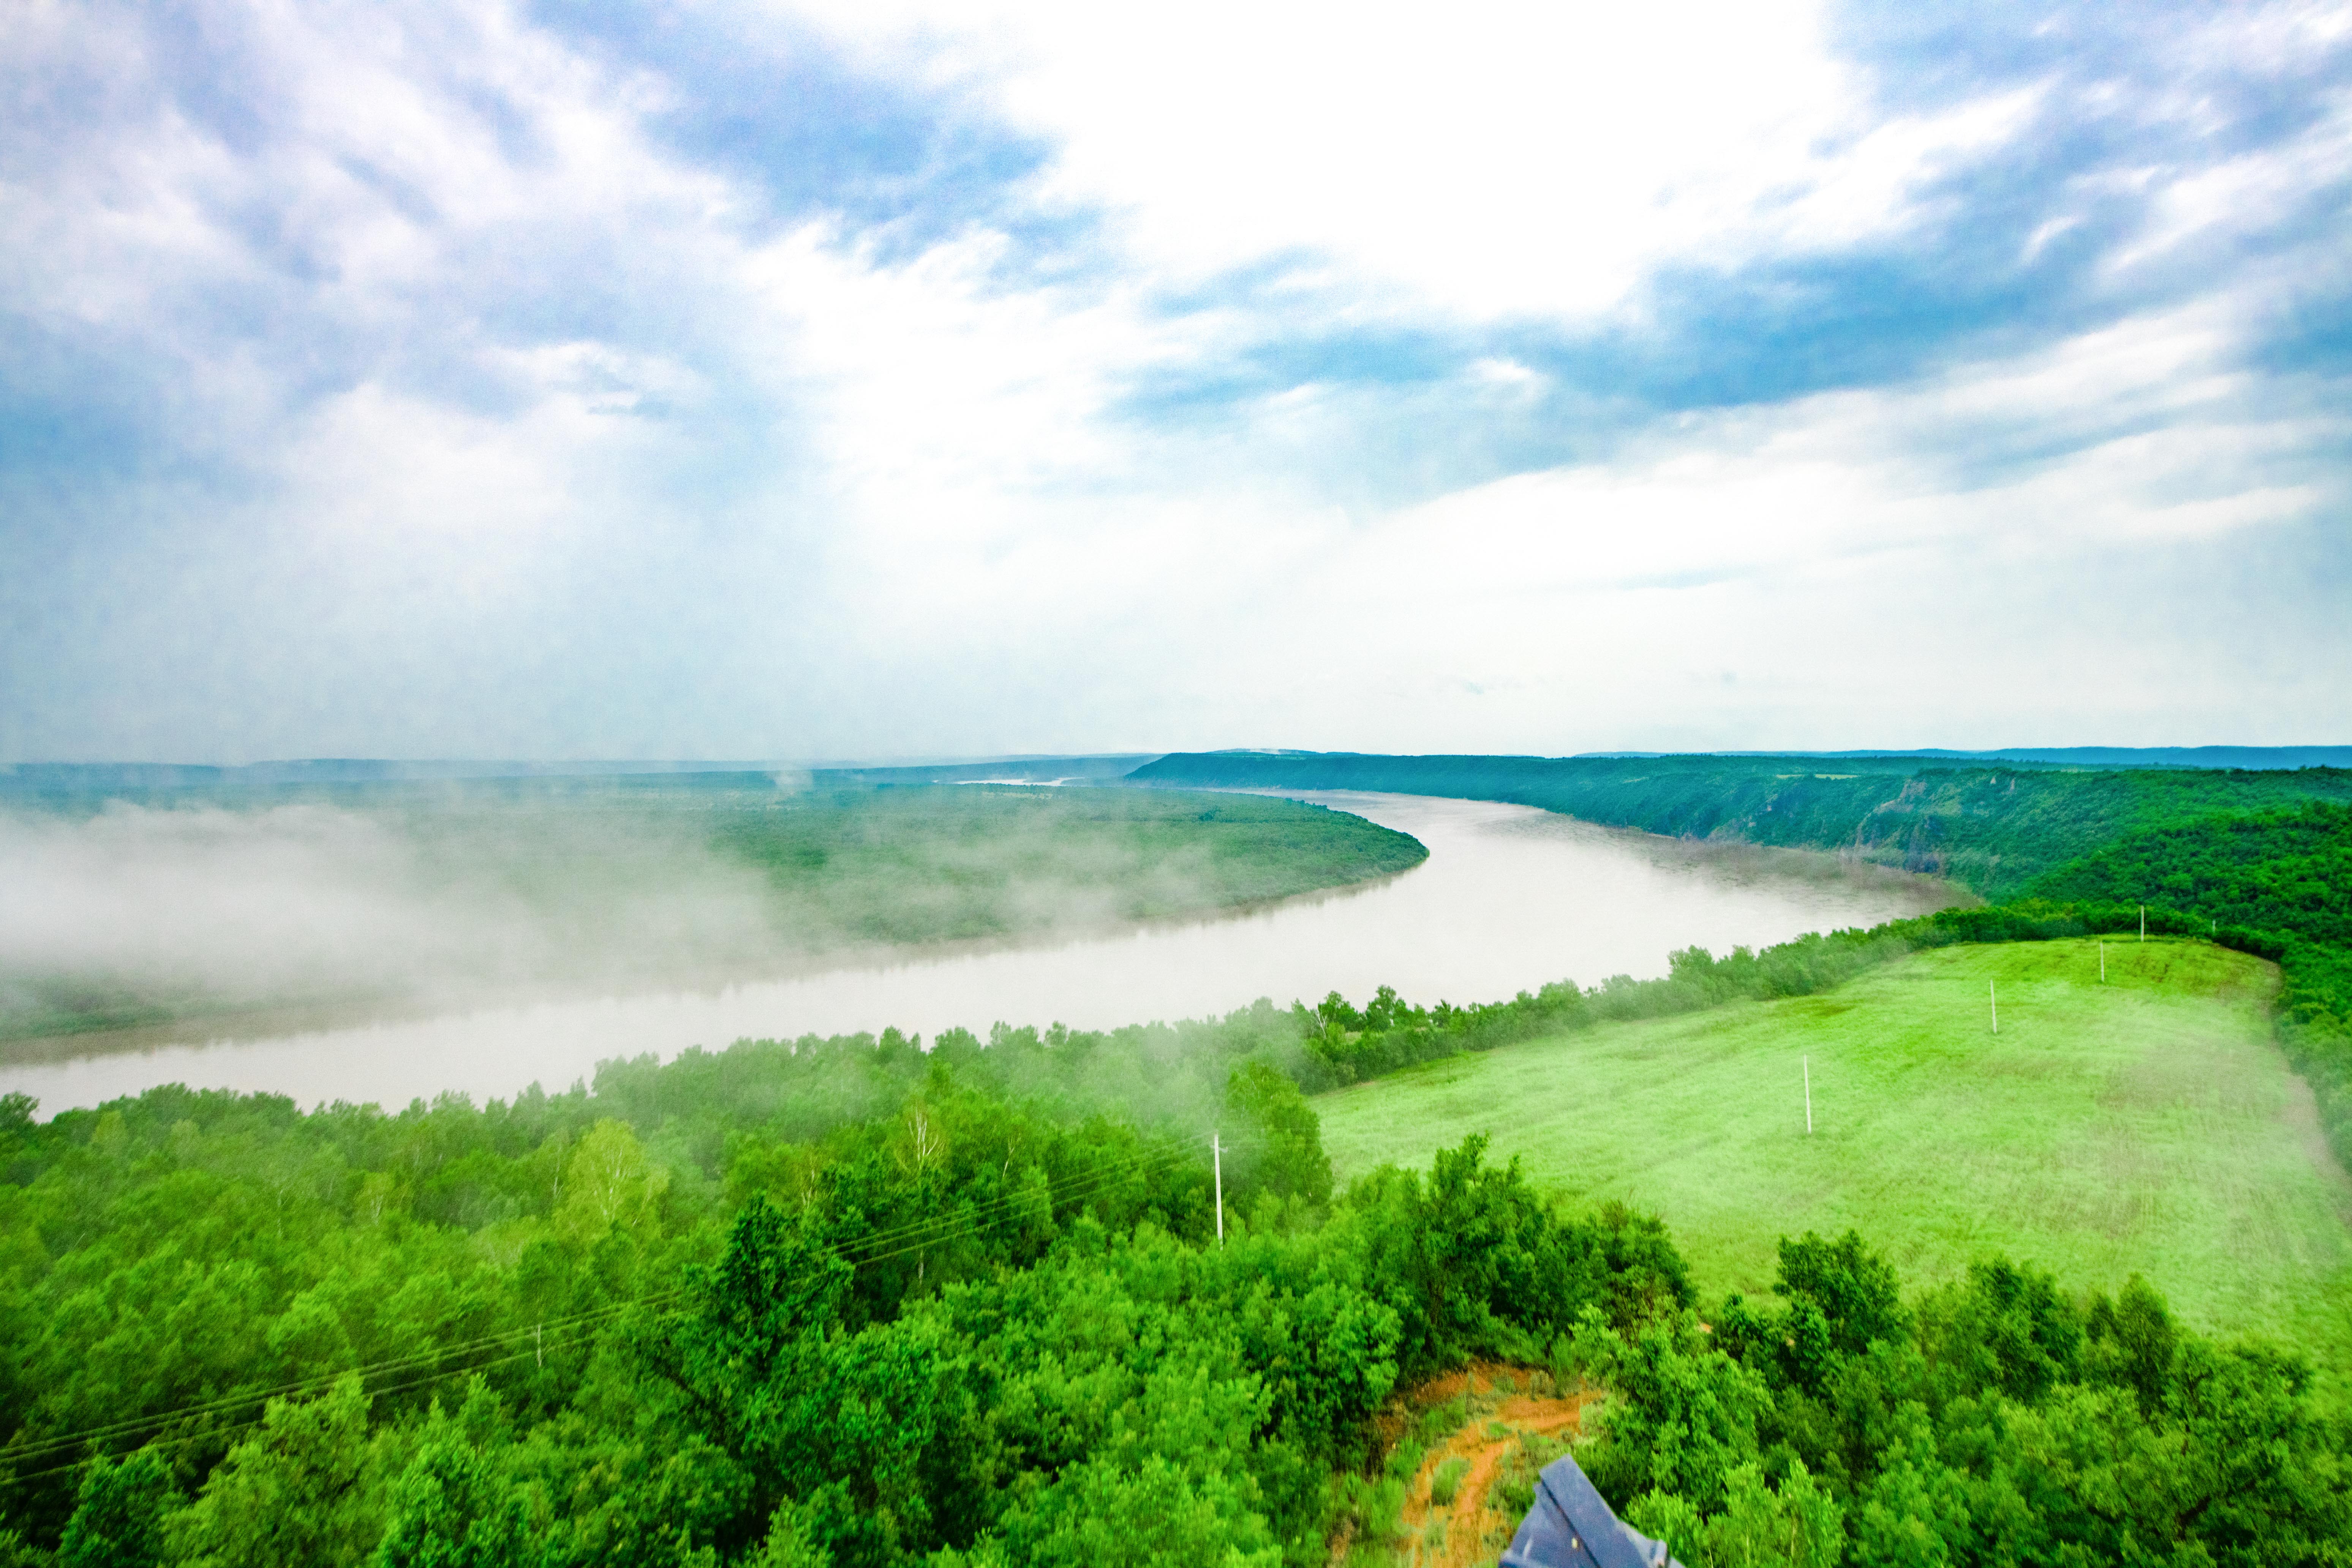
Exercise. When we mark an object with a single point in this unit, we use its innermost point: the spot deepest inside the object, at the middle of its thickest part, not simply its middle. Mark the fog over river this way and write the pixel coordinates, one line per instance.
(1511, 897)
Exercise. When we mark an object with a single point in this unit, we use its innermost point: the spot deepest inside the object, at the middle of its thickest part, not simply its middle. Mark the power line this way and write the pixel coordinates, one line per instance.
(1089, 1183)
(924, 1234)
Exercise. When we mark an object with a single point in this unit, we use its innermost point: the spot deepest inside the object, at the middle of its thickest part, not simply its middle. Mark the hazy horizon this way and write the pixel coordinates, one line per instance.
(558, 767)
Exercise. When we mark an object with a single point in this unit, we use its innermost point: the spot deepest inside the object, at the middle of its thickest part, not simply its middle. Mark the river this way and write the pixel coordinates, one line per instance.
(1509, 899)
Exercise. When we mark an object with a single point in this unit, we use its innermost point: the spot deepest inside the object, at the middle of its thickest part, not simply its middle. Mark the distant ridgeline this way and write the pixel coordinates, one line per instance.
(1993, 826)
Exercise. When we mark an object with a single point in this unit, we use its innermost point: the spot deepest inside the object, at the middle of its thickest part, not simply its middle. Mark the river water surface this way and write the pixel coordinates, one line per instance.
(1509, 899)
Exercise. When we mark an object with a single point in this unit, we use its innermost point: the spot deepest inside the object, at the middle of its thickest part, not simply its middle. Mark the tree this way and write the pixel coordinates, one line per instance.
(2132, 1342)
(1859, 1296)
(1289, 1160)
(608, 1182)
(2008, 1327)
(788, 1544)
(451, 1508)
(1800, 1526)
(117, 1517)
(306, 1489)
(1685, 1419)
(1100, 1515)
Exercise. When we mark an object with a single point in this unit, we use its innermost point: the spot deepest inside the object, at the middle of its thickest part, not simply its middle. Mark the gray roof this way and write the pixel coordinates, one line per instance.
(1571, 1527)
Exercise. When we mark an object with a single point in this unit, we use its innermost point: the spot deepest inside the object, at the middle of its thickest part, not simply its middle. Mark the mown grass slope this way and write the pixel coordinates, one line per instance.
(2147, 1125)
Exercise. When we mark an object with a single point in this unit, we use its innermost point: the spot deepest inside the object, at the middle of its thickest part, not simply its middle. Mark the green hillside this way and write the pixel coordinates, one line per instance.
(2143, 1126)
(2283, 872)
(1992, 827)
(2286, 873)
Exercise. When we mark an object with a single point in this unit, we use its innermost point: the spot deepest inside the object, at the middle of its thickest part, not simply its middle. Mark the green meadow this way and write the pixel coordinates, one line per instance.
(2143, 1125)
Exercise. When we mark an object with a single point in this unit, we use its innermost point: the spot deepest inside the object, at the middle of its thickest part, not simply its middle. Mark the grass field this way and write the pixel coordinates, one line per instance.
(2145, 1125)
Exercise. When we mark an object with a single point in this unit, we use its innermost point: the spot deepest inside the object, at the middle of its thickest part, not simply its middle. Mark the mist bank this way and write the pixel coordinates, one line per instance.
(137, 912)
(1993, 829)
(1510, 896)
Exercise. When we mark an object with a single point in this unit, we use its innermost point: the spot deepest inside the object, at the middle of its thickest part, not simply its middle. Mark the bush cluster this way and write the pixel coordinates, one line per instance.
(1995, 1420)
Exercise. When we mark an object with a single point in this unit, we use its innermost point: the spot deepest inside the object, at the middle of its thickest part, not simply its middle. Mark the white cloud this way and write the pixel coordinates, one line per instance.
(1809, 573)
(2198, 211)
(1502, 160)
(2134, 435)
(943, 529)
(930, 375)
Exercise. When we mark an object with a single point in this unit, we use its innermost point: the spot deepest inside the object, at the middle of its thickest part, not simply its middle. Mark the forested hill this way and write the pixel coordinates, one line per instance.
(1995, 829)
(2288, 872)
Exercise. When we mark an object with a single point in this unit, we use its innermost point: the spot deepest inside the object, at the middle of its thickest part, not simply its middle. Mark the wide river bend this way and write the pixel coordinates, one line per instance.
(1509, 899)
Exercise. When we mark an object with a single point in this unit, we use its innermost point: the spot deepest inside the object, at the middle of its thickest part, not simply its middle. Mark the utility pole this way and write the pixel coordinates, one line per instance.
(1217, 1155)
(1808, 1062)
(1993, 988)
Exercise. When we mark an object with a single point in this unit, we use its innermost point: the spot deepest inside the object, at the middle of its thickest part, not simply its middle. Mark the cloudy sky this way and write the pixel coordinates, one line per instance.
(869, 379)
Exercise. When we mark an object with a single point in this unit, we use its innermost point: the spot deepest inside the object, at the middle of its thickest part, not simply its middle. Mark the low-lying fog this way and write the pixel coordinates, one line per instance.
(137, 915)
(1510, 899)
(195, 907)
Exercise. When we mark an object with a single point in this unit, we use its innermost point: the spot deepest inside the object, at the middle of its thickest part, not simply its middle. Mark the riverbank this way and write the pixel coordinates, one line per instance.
(1509, 899)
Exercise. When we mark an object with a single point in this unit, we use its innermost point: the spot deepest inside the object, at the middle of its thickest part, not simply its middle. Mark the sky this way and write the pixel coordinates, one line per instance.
(886, 379)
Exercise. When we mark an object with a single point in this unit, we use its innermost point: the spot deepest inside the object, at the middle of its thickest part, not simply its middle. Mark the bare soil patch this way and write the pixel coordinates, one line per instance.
(1486, 1430)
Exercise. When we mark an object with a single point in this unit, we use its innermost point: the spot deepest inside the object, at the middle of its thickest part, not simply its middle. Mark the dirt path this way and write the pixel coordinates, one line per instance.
(1503, 1423)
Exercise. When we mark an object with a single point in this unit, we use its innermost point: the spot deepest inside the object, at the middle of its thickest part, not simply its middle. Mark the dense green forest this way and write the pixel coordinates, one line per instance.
(847, 1301)
(404, 894)
(1994, 829)
(2286, 871)
(1993, 1420)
